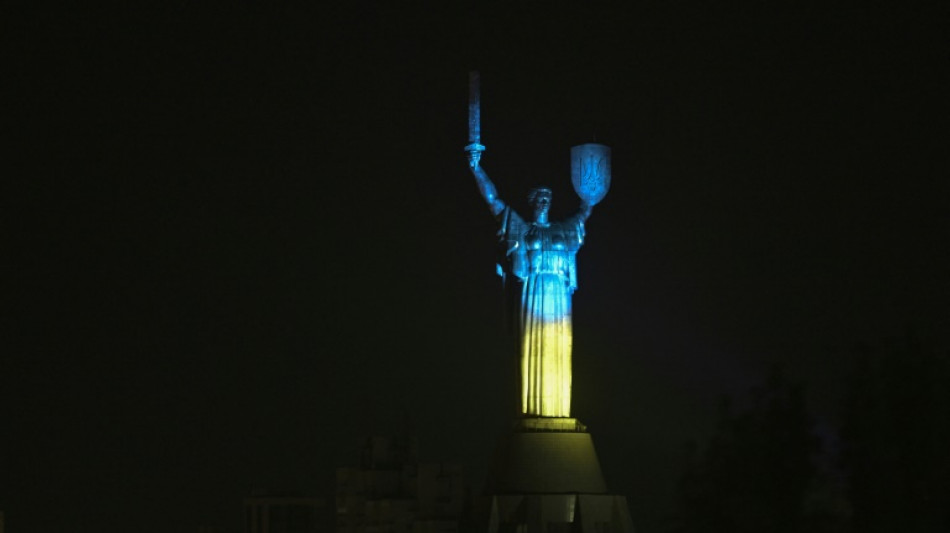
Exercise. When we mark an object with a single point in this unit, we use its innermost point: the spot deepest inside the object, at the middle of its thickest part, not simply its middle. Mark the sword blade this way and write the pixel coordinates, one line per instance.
(474, 108)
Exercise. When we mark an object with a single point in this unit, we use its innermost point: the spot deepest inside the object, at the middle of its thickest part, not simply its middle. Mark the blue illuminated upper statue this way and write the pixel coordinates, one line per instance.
(539, 264)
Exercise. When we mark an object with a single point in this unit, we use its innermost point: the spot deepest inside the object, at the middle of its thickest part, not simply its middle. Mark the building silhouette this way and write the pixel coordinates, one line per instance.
(287, 513)
(392, 492)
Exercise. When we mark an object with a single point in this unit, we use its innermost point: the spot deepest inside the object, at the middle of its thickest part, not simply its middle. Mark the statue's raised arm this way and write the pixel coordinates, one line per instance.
(475, 147)
(583, 213)
(485, 185)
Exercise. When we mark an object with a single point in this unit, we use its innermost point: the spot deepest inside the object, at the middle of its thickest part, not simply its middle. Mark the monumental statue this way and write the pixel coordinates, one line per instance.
(540, 265)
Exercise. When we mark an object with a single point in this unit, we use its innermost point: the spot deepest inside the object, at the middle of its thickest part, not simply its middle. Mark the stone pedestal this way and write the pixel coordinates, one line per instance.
(546, 478)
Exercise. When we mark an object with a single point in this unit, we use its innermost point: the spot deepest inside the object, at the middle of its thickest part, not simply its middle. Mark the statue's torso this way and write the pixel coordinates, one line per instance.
(533, 248)
(551, 249)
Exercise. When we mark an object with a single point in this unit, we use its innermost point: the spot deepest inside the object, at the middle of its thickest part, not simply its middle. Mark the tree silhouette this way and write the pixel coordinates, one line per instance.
(896, 439)
(759, 469)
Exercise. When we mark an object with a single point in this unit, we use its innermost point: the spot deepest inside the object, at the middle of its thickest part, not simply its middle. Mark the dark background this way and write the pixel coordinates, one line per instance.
(239, 239)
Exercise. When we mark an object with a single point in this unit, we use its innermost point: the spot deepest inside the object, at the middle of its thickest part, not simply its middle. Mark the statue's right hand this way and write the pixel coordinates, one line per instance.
(474, 156)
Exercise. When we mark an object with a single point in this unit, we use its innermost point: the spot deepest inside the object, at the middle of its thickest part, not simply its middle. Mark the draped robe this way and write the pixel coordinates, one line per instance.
(539, 264)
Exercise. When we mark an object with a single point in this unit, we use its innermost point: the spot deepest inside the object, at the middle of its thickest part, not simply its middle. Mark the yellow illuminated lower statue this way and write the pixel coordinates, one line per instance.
(539, 265)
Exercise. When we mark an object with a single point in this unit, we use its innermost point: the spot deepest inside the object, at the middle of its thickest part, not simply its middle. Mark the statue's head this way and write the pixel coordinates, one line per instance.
(539, 198)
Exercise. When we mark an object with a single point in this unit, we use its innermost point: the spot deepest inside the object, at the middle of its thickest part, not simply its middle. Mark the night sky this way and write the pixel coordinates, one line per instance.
(239, 239)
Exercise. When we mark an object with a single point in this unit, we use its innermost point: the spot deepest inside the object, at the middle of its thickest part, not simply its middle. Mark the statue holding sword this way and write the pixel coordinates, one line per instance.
(540, 267)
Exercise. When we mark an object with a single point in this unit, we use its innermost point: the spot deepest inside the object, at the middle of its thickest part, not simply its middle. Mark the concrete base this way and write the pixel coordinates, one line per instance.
(546, 478)
(556, 513)
(536, 458)
(549, 424)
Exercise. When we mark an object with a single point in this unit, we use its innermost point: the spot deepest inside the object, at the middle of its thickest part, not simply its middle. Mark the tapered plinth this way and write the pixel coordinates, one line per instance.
(545, 456)
(546, 477)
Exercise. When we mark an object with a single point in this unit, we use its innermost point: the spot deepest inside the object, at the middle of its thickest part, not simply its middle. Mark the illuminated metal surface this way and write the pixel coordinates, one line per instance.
(539, 263)
(475, 148)
(545, 475)
(590, 171)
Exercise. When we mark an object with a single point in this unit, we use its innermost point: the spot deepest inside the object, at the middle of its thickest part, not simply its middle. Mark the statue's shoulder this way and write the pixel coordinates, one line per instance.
(572, 228)
(511, 222)
(573, 223)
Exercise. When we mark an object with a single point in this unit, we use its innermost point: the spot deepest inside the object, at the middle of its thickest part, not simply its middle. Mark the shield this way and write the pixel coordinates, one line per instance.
(590, 171)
